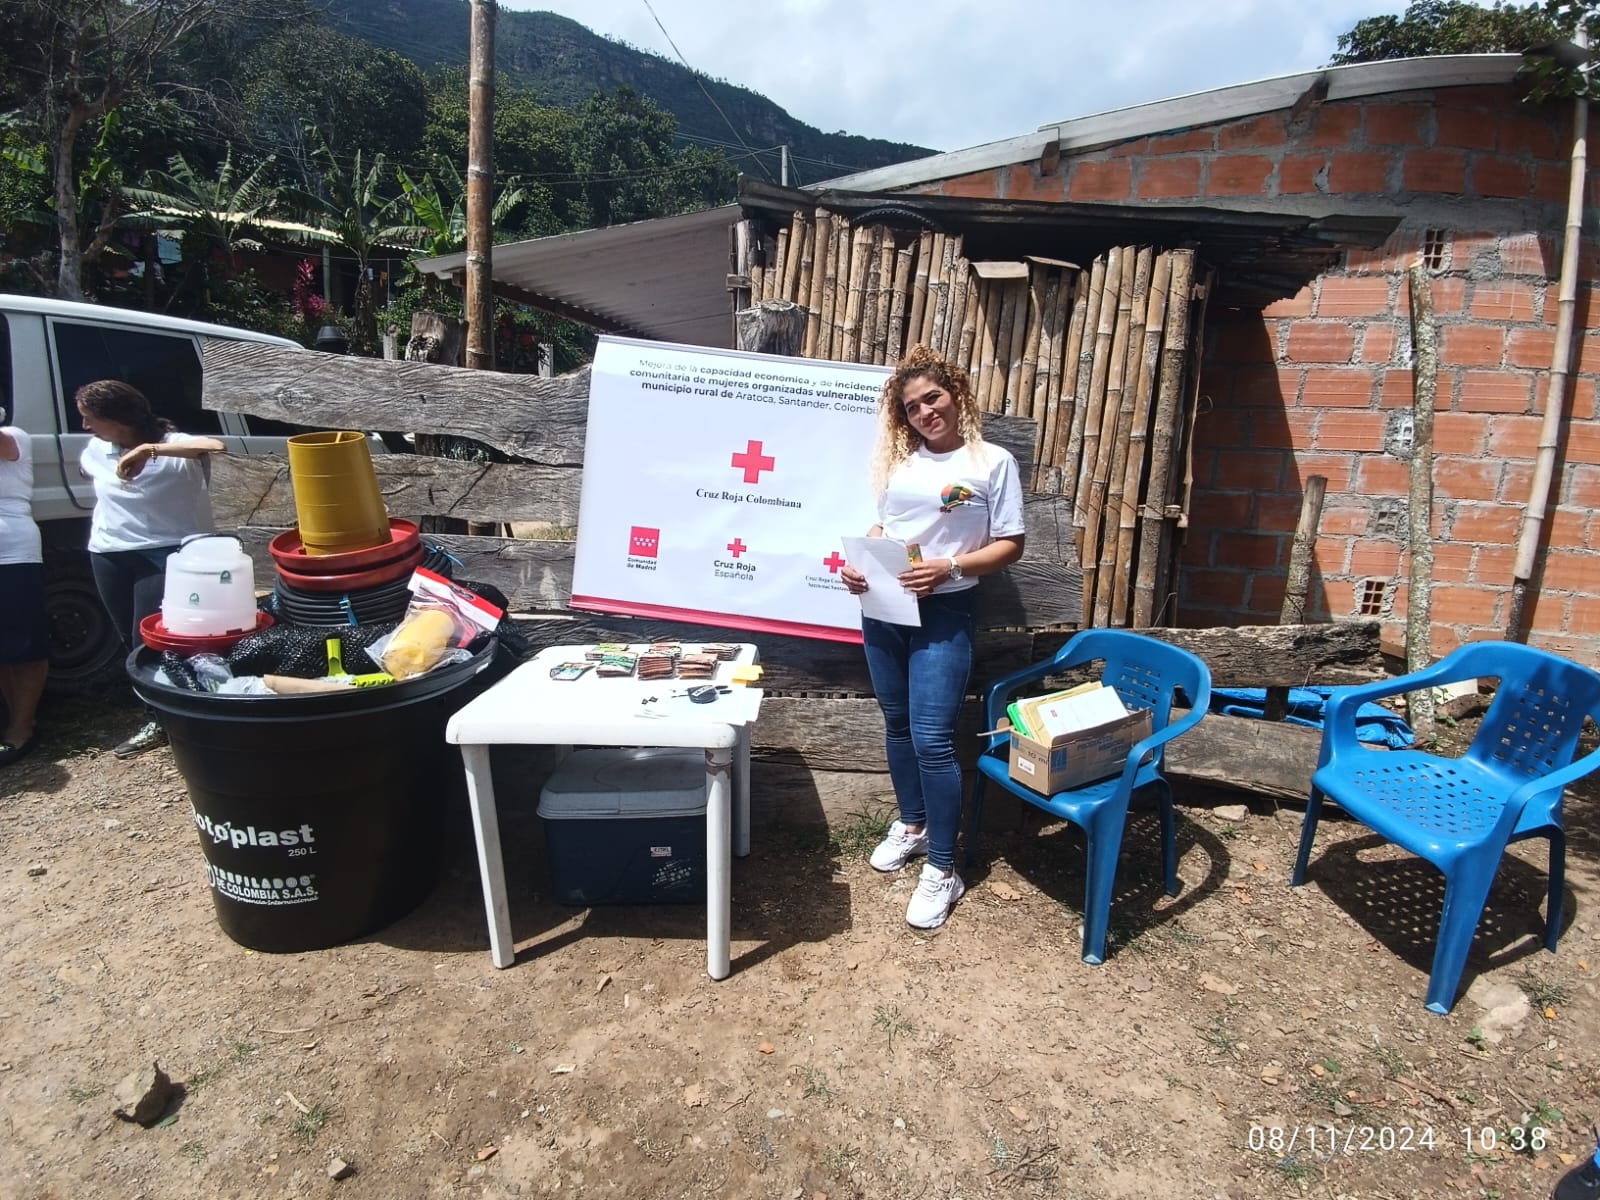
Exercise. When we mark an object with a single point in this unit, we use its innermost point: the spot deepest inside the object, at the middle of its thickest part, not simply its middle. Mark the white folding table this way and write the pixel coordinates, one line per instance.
(529, 708)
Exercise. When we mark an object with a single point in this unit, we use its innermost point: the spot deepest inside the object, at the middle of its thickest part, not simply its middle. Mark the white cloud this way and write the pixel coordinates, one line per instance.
(950, 73)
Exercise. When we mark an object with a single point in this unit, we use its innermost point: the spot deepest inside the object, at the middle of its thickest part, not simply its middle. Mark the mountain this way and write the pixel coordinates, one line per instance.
(564, 63)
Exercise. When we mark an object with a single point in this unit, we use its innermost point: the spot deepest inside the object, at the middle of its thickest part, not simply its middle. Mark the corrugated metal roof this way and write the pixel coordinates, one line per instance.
(667, 278)
(1199, 108)
(664, 279)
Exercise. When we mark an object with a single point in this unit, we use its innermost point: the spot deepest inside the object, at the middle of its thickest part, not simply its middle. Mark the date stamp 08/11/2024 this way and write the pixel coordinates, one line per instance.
(1328, 1140)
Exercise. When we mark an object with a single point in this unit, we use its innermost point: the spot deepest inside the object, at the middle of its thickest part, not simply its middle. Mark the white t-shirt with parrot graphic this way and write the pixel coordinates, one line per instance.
(953, 503)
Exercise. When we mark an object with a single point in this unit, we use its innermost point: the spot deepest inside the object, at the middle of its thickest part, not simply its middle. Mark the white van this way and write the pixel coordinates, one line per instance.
(49, 349)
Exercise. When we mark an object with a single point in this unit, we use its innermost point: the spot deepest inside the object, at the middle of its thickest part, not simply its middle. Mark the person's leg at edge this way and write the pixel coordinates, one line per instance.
(115, 575)
(21, 685)
(940, 665)
(126, 581)
(888, 649)
(941, 662)
(26, 650)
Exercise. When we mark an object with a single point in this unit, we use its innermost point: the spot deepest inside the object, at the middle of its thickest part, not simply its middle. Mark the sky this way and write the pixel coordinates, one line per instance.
(948, 74)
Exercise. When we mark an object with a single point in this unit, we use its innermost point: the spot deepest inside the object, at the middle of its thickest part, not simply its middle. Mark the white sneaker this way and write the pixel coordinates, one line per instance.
(935, 894)
(899, 848)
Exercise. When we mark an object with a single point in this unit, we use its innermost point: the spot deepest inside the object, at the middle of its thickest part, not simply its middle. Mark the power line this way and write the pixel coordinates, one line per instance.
(699, 83)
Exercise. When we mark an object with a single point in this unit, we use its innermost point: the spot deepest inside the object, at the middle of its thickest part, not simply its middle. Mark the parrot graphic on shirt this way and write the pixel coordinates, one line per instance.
(953, 496)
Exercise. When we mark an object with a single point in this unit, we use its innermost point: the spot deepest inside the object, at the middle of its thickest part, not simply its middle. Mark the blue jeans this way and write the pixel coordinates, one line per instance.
(920, 677)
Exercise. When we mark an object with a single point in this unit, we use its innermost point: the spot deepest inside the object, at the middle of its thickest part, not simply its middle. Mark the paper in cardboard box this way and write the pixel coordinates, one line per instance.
(1024, 713)
(1074, 759)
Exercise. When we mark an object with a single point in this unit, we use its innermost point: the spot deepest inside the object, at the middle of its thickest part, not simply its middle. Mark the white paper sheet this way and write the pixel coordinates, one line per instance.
(1084, 711)
(882, 561)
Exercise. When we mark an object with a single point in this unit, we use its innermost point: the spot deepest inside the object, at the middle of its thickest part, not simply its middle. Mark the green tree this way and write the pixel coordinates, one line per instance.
(209, 213)
(532, 143)
(1447, 27)
(440, 206)
(351, 211)
(357, 96)
(72, 62)
(628, 168)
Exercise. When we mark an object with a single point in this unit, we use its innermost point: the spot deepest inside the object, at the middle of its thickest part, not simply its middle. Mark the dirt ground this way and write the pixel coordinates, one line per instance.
(1242, 1040)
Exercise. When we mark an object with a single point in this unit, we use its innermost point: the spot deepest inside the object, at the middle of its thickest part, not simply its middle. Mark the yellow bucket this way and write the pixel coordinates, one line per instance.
(336, 493)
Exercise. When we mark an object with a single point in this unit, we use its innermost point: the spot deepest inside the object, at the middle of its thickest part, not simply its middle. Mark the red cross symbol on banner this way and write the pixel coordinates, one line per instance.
(737, 547)
(754, 462)
(833, 562)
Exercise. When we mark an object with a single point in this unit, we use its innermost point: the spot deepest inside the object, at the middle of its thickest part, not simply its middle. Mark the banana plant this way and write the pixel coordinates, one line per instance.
(350, 212)
(209, 214)
(441, 206)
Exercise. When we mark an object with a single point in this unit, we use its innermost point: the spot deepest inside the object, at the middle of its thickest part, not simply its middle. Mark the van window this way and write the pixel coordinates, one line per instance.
(165, 367)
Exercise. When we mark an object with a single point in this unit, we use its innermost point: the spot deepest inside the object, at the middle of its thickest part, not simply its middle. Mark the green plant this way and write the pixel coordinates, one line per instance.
(891, 1022)
(1391, 1061)
(817, 1084)
(194, 1151)
(1531, 1134)
(1215, 1034)
(1544, 993)
(842, 1158)
(1326, 1093)
(1179, 936)
(204, 1077)
(1292, 1168)
(1332, 1066)
(860, 832)
(1477, 1039)
(310, 1122)
(78, 1093)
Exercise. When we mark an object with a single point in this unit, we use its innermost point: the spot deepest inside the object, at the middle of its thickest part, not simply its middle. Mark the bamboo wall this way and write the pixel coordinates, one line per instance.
(1103, 358)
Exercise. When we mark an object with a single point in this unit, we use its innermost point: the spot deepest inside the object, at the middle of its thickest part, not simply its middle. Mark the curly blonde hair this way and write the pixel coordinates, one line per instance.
(897, 440)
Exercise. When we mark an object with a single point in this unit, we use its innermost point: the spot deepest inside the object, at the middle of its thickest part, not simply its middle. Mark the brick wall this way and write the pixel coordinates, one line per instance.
(1321, 382)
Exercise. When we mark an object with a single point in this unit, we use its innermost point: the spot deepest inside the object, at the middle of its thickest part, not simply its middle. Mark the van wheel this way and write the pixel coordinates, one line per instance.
(85, 651)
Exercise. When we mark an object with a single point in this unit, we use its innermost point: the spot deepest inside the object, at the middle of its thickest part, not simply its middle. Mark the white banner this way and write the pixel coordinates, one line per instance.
(717, 485)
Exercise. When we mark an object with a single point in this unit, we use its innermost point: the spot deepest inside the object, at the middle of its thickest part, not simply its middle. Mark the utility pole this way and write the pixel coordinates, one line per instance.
(480, 187)
(783, 164)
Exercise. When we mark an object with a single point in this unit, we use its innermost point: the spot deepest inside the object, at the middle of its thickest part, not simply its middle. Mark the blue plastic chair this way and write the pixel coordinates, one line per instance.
(1460, 814)
(1147, 673)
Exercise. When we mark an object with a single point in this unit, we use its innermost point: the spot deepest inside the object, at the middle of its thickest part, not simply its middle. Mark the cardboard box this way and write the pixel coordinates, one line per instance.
(1074, 759)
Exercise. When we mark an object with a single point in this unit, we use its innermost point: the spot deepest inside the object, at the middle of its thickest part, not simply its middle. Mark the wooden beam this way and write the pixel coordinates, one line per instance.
(1270, 655)
(256, 490)
(527, 416)
(1267, 757)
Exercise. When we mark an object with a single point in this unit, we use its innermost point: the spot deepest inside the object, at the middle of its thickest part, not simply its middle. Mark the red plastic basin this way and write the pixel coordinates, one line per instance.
(288, 551)
(158, 637)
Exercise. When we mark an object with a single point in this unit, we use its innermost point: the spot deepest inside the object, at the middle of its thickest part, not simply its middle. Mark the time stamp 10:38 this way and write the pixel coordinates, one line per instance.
(1284, 1140)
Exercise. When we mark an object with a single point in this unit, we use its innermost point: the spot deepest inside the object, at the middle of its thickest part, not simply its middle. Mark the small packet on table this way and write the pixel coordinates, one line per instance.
(616, 665)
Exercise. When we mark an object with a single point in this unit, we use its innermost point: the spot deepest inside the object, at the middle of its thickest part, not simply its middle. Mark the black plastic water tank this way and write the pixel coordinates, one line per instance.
(319, 815)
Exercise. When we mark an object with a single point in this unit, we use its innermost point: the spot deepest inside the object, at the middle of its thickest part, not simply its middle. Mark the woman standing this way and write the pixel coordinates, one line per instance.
(24, 633)
(956, 501)
(150, 491)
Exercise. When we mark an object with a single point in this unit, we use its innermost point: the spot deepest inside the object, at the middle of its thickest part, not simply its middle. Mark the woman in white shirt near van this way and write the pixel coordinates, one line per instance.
(958, 500)
(151, 492)
(24, 633)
